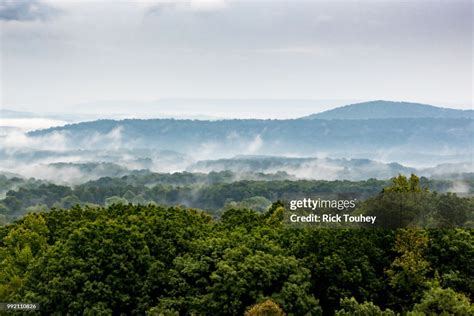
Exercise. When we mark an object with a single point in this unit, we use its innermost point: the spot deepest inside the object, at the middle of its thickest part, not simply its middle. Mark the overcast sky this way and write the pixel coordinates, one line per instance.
(57, 54)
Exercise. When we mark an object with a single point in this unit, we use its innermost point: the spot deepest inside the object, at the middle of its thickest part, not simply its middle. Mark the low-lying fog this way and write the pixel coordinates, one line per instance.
(61, 158)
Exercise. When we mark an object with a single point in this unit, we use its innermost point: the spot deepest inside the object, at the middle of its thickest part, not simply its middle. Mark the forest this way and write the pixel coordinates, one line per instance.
(247, 158)
(213, 192)
(135, 259)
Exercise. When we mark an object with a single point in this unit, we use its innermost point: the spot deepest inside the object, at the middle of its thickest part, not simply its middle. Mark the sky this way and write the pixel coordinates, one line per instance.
(232, 58)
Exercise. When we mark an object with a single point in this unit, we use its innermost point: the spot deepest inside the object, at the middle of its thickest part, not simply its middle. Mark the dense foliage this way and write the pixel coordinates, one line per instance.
(135, 259)
(214, 192)
(128, 259)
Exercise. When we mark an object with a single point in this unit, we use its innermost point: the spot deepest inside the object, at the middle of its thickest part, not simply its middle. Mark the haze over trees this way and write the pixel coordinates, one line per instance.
(117, 238)
(220, 191)
(397, 137)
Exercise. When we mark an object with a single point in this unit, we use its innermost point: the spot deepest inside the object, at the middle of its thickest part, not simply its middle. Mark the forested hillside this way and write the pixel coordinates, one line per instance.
(388, 109)
(376, 139)
(272, 137)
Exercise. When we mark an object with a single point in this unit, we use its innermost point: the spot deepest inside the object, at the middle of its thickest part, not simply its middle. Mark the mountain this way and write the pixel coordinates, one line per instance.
(409, 133)
(389, 109)
(270, 137)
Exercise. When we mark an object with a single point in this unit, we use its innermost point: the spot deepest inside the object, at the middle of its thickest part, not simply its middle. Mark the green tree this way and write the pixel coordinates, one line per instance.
(265, 308)
(402, 184)
(21, 245)
(452, 210)
(101, 267)
(404, 203)
(115, 200)
(451, 253)
(408, 273)
(439, 301)
(350, 307)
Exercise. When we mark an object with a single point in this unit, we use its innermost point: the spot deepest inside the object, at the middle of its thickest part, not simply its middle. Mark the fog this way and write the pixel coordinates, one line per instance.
(63, 158)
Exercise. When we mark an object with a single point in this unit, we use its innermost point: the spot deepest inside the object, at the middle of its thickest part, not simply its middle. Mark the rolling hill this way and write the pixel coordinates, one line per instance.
(407, 133)
(269, 137)
(388, 109)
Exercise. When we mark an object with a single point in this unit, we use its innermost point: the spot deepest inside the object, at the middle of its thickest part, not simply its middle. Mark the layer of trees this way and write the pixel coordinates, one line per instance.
(132, 260)
(214, 192)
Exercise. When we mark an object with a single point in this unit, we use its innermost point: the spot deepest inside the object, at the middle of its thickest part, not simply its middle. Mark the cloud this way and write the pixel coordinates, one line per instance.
(110, 140)
(459, 187)
(206, 5)
(157, 7)
(255, 145)
(26, 10)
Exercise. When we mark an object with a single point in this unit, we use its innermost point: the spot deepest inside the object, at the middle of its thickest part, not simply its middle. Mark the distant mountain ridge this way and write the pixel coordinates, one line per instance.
(389, 109)
(396, 137)
(413, 140)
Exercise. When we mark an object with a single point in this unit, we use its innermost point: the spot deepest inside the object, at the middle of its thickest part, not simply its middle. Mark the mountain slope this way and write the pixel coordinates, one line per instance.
(394, 139)
(389, 109)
